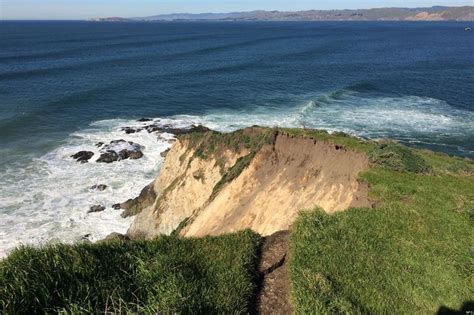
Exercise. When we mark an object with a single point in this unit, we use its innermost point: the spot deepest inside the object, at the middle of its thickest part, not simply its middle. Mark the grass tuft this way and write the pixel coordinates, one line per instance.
(398, 158)
(165, 275)
(233, 172)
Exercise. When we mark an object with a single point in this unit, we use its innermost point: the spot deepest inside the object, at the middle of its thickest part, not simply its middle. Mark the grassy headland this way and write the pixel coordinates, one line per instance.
(410, 253)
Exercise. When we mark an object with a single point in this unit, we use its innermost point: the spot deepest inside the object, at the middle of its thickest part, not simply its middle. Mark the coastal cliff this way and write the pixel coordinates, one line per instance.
(296, 183)
(256, 178)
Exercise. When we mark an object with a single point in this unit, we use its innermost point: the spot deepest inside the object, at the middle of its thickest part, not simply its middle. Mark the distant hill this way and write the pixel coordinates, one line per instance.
(110, 19)
(435, 13)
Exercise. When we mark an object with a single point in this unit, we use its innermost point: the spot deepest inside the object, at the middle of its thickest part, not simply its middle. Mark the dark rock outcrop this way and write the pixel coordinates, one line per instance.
(176, 131)
(83, 156)
(129, 154)
(109, 153)
(164, 153)
(133, 206)
(99, 187)
(118, 142)
(96, 208)
(129, 130)
(154, 127)
(108, 157)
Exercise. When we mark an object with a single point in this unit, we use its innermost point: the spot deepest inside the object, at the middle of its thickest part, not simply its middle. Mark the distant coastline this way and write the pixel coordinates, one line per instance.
(435, 13)
(110, 19)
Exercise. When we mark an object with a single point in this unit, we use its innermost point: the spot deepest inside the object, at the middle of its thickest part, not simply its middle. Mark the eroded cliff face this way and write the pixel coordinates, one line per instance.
(262, 185)
(184, 185)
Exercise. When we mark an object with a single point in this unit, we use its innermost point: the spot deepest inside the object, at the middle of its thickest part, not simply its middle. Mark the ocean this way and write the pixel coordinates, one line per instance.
(64, 86)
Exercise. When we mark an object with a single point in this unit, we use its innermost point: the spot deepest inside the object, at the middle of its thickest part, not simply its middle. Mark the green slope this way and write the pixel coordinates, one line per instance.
(410, 254)
(166, 275)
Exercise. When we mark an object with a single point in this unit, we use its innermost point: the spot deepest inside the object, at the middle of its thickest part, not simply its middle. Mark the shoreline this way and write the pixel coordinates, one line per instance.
(133, 130)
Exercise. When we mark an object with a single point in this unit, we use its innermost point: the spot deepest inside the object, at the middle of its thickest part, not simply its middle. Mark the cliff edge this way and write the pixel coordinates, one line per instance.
(259, 178)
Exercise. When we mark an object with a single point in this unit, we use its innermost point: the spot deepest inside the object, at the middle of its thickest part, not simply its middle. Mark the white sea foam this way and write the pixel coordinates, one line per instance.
(407, 117)
(48, 199)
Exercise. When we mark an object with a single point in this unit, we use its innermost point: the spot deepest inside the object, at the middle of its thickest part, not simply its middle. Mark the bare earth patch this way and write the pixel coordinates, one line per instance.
(284, 178)
(273, 297)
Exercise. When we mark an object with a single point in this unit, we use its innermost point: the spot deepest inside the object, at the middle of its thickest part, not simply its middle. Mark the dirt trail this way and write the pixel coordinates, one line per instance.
(273, 295)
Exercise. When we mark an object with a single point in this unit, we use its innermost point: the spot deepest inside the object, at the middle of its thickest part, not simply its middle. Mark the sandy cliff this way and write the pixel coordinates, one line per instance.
(255, 178)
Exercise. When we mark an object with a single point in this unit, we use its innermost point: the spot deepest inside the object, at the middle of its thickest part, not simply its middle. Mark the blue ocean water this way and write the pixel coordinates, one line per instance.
(64, 85)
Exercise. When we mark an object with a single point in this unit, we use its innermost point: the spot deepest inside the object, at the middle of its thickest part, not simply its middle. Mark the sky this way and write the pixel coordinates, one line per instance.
(84, 9)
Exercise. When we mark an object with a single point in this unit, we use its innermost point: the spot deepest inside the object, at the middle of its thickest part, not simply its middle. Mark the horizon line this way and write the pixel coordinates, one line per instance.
(231, 12)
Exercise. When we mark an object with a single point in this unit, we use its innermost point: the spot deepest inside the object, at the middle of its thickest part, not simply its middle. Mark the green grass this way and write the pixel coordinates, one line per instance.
(444, 164)
(233, 172)
(411, 254)
(399, 158)
(214, 144)
(166, 275)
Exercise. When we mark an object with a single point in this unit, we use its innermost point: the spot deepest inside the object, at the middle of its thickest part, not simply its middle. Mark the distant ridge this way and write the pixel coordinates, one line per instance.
(435, 13)
(110, 19)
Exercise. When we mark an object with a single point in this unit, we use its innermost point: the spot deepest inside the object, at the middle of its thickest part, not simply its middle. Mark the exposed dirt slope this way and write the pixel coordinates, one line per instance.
(290, 175)
(264, 188)
(185, 184)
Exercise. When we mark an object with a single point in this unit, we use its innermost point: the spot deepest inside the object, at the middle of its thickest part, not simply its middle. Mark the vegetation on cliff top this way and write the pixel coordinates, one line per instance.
(165, 275)
(214, 144)
(398, 158)
(410, 254)
(389, 155)
(338, 138)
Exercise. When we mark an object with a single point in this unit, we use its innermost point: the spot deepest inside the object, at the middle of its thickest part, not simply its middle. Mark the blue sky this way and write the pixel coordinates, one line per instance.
(83, 9)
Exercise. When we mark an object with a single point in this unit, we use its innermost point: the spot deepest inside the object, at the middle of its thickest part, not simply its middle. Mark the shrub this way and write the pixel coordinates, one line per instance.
(398, 158)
